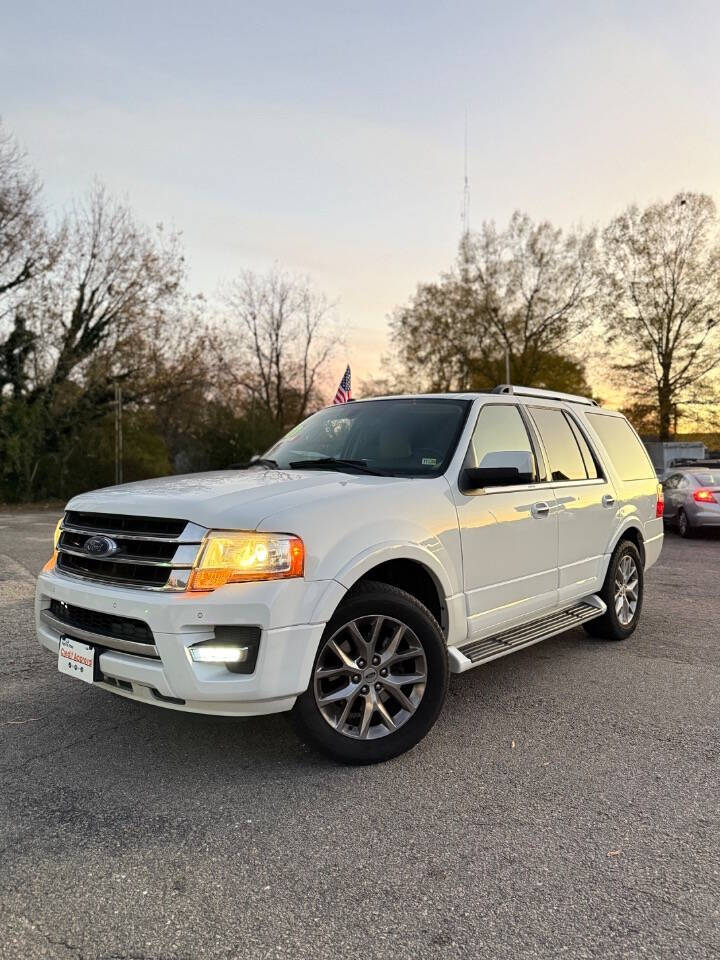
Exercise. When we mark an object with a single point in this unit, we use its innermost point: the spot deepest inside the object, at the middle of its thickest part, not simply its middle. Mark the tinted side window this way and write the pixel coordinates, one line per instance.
(627, 453)
(566, 462)
(501, 440)
(585, 451)
(671, 482)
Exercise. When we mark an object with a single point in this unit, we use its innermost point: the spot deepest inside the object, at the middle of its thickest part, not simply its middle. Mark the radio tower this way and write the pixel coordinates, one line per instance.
(466, 185)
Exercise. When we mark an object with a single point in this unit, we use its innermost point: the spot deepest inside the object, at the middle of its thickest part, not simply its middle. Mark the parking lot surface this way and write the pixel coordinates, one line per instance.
(566, 804)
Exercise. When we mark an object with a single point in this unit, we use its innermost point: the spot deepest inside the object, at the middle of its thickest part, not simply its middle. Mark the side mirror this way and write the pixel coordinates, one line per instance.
(475, 478)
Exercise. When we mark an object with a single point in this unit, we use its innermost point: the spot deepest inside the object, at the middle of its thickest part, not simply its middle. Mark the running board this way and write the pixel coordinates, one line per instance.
(501, 644)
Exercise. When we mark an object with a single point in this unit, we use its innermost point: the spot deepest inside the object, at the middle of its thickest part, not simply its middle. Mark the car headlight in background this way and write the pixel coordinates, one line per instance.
(228, 557)
(50, 565)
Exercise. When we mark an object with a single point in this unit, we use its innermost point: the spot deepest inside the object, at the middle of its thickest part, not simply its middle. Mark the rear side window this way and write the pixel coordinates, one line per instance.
(585, 451)
(566, 460)
(501, 440)
(623, 446)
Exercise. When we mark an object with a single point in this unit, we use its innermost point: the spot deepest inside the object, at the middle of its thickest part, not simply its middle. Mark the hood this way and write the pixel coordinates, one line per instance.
(225, 499)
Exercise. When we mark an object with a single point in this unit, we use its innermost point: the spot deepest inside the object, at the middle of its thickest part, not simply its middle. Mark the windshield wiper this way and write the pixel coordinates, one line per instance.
(335, 463)
(260, 462)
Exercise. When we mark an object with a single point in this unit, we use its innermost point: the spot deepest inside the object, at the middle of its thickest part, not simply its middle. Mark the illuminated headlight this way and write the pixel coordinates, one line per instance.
(218, 653)
(227, 557)
(50, 565)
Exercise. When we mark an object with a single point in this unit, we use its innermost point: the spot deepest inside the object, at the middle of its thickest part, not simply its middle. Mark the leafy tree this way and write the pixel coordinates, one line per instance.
(228, 434)
(145, 452)
(661, 302)
(525, 289)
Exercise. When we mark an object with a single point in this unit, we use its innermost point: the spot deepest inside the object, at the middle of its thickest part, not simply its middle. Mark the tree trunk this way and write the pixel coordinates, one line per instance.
(665, 411)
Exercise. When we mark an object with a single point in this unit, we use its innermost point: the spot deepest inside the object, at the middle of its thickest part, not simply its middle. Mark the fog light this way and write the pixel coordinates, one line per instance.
(218, 653)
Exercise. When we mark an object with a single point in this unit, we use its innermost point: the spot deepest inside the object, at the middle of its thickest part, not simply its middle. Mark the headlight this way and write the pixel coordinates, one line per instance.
(227, 557)
(53, 559)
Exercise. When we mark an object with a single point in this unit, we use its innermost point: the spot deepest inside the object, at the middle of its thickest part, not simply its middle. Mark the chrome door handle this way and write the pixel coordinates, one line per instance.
(540, 510)
(608, 500)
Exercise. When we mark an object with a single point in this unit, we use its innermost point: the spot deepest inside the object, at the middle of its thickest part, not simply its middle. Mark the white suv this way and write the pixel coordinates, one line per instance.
(379, 546)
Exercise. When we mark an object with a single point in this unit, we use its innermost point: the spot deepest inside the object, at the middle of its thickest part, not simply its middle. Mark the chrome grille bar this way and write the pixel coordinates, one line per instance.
(119, 558)
(193, 533)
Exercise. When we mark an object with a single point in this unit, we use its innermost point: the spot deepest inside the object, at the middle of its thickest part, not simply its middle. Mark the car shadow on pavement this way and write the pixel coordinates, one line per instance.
(161, 746)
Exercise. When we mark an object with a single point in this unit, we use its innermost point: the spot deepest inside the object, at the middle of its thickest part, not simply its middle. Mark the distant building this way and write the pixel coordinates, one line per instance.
(662, 454)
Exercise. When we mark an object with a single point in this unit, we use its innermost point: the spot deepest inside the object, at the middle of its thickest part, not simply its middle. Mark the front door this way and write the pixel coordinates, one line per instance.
(509, 535)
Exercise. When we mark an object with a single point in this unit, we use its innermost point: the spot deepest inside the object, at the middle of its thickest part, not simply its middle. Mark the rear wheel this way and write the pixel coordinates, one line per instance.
(685, 529)
(379, 680)
(622, 593)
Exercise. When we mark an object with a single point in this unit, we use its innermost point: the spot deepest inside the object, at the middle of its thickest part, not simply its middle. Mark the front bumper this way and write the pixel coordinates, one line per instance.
(285, 611)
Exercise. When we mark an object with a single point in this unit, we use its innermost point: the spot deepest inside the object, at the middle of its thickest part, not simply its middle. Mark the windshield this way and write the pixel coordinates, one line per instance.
(411, 437)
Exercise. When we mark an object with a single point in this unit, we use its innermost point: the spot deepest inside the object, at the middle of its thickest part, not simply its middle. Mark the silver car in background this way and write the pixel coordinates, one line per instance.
(692, 498)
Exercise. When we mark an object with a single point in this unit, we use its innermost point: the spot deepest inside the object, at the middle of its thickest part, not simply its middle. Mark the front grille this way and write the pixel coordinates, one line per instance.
(123, 573)
(106, 624)
(114, 523)
(151, 553)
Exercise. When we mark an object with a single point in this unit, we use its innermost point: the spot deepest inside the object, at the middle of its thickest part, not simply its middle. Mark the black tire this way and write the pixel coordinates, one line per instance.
(684, 527)
(609, 626)
(390, 608)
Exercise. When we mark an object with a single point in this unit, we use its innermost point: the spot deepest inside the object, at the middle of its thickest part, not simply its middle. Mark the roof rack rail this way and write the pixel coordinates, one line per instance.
(546, 394)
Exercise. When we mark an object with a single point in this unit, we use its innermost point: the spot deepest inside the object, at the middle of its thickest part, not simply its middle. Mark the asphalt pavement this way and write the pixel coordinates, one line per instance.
(566, 804)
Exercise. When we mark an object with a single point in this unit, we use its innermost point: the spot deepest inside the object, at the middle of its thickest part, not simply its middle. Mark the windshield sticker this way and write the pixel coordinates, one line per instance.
(429, 462)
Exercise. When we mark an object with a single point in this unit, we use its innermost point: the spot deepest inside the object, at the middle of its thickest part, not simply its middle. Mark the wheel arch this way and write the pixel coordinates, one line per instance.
(632, 531)
(409, 567)
(634, 535)
(414, 578)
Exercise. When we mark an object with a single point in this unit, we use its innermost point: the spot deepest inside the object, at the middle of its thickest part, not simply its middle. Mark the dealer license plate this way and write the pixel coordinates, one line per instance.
(76, 659)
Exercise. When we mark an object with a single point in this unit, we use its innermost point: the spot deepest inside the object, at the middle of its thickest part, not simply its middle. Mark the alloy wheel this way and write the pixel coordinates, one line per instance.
(626, 590)
(370, 677)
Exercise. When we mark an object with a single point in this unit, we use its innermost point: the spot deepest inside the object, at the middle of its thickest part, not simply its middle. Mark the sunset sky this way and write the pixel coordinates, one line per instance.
(328, 136)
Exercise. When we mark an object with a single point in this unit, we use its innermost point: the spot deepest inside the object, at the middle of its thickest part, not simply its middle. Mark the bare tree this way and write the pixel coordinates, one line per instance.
(276, 337)
(114, 280)
(661, 286)
(524, 290)
(25, 254)
(22, 227)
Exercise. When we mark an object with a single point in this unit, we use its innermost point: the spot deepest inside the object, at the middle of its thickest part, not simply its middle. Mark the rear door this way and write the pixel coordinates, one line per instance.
(585, 501)
(508, 534)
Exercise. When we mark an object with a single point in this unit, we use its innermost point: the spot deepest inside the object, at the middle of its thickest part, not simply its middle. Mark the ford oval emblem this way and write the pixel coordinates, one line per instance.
(100, 547)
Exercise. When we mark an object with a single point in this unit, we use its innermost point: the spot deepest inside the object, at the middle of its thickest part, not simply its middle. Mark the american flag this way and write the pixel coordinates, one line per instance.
(343, 391)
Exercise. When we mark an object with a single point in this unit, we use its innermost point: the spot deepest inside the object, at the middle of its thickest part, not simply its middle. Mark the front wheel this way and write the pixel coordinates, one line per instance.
(622, 593)
(379, 679)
